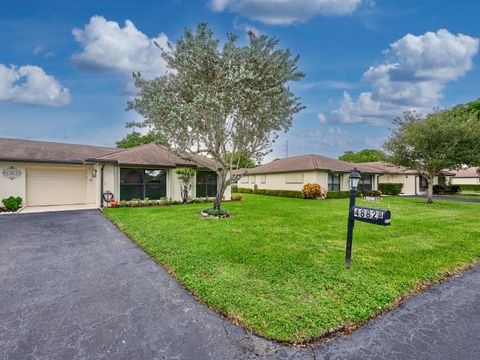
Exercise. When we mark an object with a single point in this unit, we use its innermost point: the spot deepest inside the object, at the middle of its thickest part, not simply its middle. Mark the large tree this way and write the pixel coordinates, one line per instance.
(365, 155)
(446, 139)
(136, 139)
(216, 100)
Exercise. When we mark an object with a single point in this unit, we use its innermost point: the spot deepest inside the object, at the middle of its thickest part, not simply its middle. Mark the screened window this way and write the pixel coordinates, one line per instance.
(263, 179)
(334, 182)
(142, 183)
(206, 184)
(365, 183)
(252, 179)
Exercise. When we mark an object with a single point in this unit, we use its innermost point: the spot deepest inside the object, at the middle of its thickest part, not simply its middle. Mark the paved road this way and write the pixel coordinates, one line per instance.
(447, 198)
(74, 287)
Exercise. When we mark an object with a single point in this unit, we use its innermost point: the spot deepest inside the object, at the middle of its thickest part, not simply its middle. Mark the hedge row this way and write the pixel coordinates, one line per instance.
(446, 189)
(470, 187)
(282, 193)
(390, 188)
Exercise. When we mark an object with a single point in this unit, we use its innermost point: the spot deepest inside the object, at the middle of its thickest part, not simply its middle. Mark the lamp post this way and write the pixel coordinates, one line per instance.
(354, 178)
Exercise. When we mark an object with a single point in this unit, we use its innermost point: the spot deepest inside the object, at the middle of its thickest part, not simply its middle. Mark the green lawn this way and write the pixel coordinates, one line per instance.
(277, 268)
(466, 195)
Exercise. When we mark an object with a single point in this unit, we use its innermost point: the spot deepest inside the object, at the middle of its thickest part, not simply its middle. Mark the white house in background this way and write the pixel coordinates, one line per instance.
(50, 174)
(468, 176)
(294, 172)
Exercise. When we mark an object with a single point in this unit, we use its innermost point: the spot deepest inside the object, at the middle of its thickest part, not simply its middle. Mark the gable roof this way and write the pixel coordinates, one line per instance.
(45, 151)
(471, 172)
(311, 162)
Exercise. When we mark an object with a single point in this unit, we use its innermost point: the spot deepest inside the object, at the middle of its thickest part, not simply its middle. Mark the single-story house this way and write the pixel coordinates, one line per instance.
(468, 176)
(49, 173)
(294, 172)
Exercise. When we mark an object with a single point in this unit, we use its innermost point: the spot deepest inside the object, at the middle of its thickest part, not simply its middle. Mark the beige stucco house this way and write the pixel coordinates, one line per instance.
(294, 172)
(58, 174)
(468, 176)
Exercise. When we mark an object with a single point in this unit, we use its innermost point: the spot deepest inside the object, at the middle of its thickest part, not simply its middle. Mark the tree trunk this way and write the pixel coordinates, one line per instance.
(430, 189)
(221, 187)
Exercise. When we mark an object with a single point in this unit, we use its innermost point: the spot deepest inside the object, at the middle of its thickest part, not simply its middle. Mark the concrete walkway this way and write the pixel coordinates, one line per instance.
(74, 287)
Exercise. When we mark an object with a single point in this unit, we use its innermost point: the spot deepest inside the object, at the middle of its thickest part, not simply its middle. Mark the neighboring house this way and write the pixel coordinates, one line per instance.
(49, 173)
(413, 182)
(469, 176)
(294, 172)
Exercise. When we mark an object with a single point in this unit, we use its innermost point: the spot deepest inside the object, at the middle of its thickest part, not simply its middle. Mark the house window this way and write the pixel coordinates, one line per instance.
(252, 179)
(294, 178)
(423, 183)
(263, 179)
(206, 184)
(142, 183)
(334, 182)
(244, 179)
(365, 183)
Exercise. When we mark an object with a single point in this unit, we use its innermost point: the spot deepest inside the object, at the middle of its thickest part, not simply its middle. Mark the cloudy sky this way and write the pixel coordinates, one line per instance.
(65, 66)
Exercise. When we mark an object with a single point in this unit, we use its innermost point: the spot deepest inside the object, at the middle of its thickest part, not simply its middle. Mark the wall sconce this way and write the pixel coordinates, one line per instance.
(94, 173)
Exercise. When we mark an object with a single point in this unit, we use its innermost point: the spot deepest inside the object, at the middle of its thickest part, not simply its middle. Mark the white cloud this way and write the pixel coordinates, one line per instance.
(325, 85)
(322, 119)
(106, 46)
(37, 50)
(247, 28)
(282, 12)
(336, 131)
(31, 85)
(413, 79)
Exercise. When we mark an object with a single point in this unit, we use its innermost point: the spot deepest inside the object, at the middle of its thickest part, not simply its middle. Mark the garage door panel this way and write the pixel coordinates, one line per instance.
(56, 186)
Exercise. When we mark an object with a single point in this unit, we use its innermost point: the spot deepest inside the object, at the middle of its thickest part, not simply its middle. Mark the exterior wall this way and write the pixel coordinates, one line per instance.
(465, 181)
(411, 182)
(18, 186)
(278, 181)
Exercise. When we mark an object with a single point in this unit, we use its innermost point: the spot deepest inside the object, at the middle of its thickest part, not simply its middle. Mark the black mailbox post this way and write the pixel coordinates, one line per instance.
(361, 213)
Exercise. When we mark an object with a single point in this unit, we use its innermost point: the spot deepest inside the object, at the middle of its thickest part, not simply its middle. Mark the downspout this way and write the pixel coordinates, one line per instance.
(101, 185)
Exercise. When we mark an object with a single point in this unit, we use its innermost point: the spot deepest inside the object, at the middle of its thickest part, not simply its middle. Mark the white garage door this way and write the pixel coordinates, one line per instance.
(56, 186)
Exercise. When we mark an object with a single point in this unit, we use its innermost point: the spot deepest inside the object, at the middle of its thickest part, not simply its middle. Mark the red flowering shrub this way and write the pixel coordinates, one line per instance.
(313, 191)
(237, 198)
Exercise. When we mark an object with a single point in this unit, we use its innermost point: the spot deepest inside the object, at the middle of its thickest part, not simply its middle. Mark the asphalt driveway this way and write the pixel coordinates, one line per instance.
(72, 286)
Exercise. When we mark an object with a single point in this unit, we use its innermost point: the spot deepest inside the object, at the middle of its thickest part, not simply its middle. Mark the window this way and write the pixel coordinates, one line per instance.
(252, 179)
(142, 183)
(263, 179)
(206, 184)
(294, 178)
(244, 179)
(334, 182)
(365, 183)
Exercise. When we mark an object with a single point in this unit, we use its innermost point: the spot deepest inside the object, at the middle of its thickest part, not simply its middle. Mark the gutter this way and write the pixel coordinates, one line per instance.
(101, 186)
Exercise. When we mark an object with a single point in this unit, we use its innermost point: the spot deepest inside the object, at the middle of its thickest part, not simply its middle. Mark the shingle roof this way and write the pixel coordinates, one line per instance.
(54, 152)
(471, 172)
(45, 151)
(389, 168)
(311, 162)
(152, 155)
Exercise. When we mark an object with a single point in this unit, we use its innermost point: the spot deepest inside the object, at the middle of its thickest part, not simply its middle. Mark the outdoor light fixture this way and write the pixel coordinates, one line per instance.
(354, 178)
(94, 173)
(361, 213)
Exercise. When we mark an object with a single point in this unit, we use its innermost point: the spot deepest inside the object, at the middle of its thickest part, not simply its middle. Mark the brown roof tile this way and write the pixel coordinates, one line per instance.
(45, 151)
(311, 162)
(152, 155)
(471, 172)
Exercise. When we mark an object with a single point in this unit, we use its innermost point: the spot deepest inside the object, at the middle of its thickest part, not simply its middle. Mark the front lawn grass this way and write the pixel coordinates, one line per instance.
(278, 266)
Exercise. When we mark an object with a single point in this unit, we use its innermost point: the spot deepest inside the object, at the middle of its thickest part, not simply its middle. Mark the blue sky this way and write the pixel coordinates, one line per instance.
(362, 68)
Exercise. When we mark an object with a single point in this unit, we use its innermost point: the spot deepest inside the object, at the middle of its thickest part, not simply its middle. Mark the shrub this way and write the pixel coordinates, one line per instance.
(237, 198)
(390, 188)
(281, 193)
(470, 187)
(234, 188)
(312, 191)
(162, 202)
(446, 189)
(12, 203)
